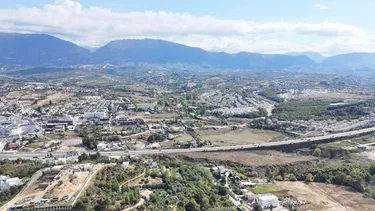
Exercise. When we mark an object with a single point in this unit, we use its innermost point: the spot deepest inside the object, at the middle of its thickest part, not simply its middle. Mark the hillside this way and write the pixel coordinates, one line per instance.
(39, 50)
(316, 57)
(351, 61)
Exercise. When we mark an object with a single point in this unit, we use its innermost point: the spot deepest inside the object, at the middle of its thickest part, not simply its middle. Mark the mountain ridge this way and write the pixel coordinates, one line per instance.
(315, 56)
(39, 49)
(49, 51)
(143, 50)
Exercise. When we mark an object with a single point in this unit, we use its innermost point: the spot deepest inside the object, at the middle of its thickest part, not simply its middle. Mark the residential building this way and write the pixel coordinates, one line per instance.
(6, 182)
(95, 115)
(267, 200)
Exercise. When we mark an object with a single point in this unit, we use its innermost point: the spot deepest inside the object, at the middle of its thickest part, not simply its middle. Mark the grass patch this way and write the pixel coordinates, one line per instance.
(264, 188)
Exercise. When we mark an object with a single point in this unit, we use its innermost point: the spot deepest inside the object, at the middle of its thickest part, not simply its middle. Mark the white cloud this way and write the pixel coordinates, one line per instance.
(94, 26)
(321, 6)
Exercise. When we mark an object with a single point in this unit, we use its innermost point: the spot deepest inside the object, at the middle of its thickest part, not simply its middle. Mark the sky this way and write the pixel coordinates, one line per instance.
(266, 26)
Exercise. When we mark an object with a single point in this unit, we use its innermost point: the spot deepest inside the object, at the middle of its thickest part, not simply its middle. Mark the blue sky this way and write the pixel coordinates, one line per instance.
(267, 26)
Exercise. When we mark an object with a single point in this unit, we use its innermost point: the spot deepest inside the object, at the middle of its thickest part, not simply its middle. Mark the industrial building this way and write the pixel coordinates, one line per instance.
(14, 127)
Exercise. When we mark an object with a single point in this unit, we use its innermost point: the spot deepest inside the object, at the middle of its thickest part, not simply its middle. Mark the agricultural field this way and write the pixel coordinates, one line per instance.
(264, 188)
(326, 197)
(227, 136)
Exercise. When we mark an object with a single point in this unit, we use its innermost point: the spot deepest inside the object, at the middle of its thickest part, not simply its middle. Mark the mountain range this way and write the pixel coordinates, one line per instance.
(48, 51)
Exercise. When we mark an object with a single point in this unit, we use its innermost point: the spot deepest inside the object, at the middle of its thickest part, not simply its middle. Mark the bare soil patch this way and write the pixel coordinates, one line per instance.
(338, 95)
(325, 197)
(258, 158)
(227, 136)
(56, 98)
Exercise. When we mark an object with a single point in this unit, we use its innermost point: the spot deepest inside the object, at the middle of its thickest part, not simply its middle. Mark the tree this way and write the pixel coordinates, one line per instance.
(83, 157)
(317, 152)
(258, 208)
(222, 190)
(205, 203)
(293, 178)
(192, 205)
(156, 138)
(270, 174)
(262, 112)
(372, 168)
(90, 143)
(309, 177)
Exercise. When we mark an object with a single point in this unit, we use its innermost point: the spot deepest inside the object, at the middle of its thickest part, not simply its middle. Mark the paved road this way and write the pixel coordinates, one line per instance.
(30, 155)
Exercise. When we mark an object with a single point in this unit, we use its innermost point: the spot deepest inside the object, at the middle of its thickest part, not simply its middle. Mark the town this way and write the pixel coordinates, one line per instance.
(74, 132)
(187, 106)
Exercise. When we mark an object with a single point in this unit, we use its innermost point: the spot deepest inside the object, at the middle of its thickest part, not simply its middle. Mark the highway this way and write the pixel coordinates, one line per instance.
(31, 155)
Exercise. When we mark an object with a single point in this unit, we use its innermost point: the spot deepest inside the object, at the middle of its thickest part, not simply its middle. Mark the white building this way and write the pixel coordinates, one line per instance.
(101, 147)
(125, 164)
(95, 115)
(7, 182)
(247, 184)
(61, 161)
(267, 200)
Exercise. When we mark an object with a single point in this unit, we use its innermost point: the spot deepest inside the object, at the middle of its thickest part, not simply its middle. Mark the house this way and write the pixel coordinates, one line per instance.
(56, 169)
(153, 165)
(249, 196)
(236, 179)
(64, 121)
(145, 194)
(222, 170)
(71, 160)
(130, 107)
(247, 184)
(14, 146)
(154, 146)
(170, 136)
(193, 143)
(155, 126)
(101, 147)
(362, 147)
(267, 200)
(125, 164)
(49, 161)
(86, 167)
(215, 171)
(95, 115)
(181, 143)
(145, 106)
(61, 161)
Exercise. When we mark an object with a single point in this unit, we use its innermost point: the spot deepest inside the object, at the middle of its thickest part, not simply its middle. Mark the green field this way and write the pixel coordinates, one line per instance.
(264, 188)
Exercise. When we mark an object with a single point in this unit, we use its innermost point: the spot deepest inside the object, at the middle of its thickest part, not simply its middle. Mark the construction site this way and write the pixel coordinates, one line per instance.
(53, 188)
